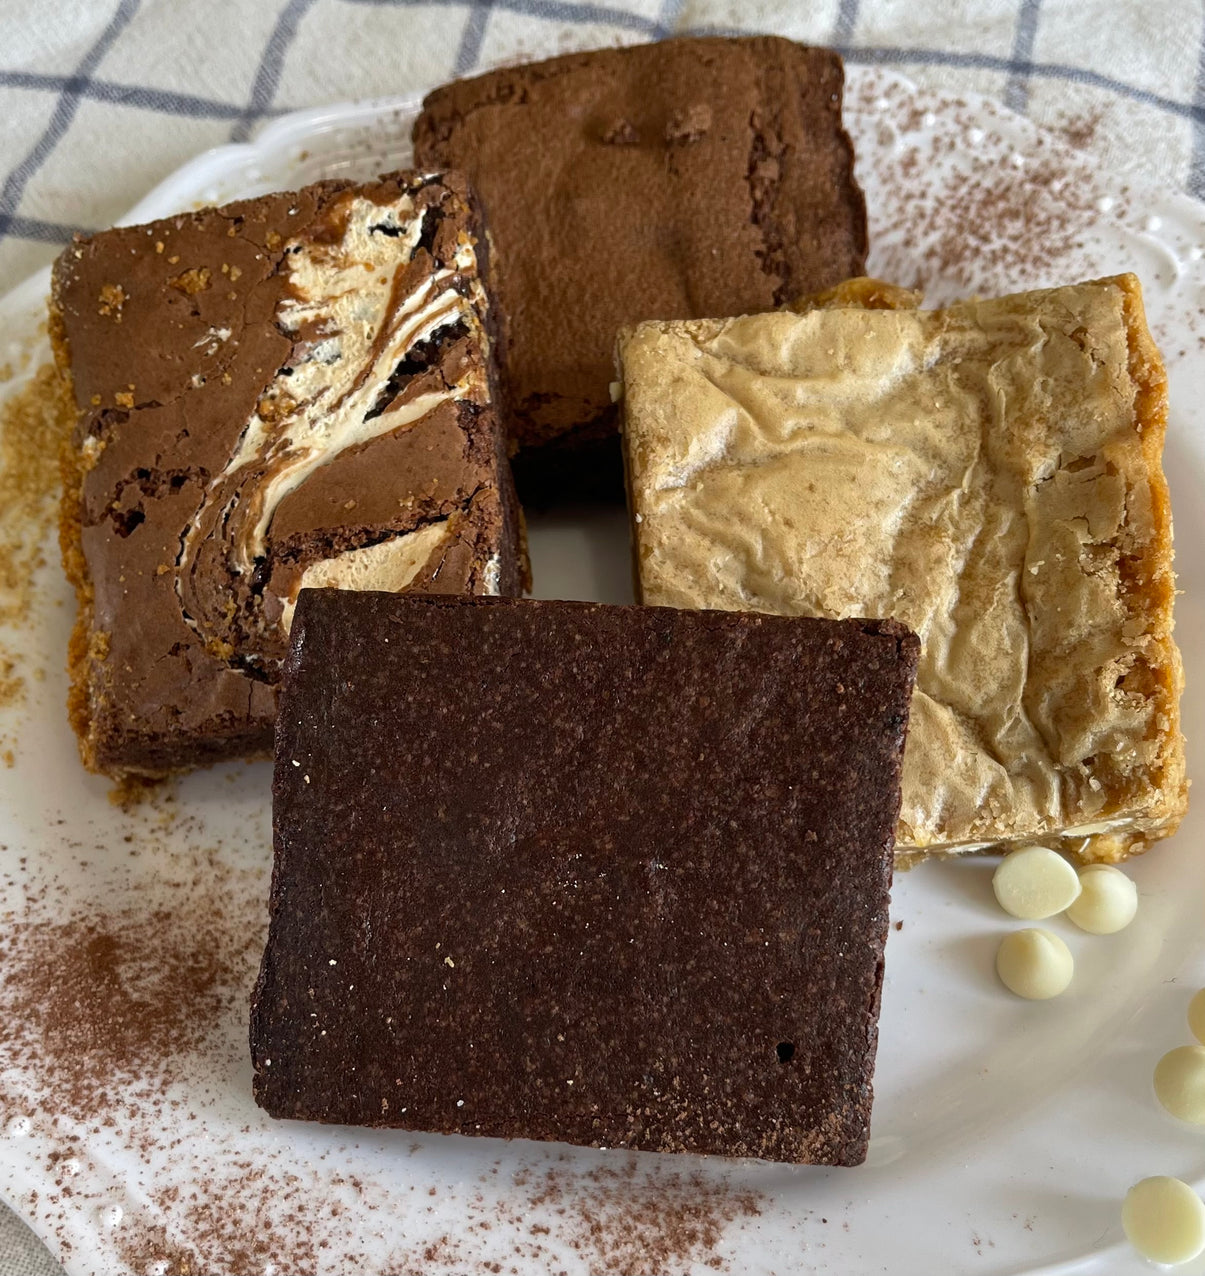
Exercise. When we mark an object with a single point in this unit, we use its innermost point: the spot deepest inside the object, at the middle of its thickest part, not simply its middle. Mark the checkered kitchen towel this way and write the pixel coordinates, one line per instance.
(101, 99)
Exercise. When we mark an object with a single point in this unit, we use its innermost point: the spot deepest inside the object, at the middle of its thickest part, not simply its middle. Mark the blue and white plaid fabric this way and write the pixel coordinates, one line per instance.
(101, 99)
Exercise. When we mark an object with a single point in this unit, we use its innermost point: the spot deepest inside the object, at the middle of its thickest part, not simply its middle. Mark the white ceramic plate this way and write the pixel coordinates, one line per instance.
(1004, 1133)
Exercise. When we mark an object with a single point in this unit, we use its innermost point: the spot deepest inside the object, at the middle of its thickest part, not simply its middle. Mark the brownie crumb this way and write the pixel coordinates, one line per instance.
(34, 422)
(688, 125)
(132, 790)
(621, 133)
(112, 298)
(191, 281)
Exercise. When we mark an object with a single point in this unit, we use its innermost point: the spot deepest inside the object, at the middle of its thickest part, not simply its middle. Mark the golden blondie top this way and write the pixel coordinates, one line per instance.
(990, 475)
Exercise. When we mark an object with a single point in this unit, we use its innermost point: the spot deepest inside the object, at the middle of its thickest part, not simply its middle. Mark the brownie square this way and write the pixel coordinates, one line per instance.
(694, 177)
(608, 875)
(991, 475)
(295, 390)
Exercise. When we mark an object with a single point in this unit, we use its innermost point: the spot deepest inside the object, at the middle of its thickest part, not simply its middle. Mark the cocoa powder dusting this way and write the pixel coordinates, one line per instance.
(1079, 130)
(98, 998)
(621, 1222)
(613, 1219)
(225, 1235)
(100, 1004)
(996, 220)
(1003, 221)
(125, 996)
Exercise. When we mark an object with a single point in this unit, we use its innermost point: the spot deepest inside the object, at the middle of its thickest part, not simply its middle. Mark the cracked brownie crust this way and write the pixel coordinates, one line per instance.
(675, 180)
(295, 390)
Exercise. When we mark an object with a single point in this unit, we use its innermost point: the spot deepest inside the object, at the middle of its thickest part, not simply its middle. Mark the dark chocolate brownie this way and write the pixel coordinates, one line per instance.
(692, 178)
(610, 875)
(295, 389)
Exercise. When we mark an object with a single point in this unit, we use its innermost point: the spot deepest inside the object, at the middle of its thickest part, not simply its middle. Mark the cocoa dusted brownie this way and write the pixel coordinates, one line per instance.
(695, 177)
(295, 390)
(608, 875)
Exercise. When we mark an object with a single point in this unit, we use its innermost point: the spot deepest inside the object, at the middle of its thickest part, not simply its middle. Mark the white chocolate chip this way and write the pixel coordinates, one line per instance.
(1196, 1016)
(1034, 964)
(1180, 1083)
(1164, 1220)
(1034, 883)
(616, 389)
(1107, 902)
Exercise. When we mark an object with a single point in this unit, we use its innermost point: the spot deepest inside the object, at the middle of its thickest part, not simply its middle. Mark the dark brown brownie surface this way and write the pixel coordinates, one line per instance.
(263, 389)
(692, 178)
(608, 875)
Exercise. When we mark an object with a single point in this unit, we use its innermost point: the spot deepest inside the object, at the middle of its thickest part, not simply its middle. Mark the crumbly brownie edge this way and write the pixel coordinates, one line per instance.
(766, 143)
(71, 549)
(514, 562)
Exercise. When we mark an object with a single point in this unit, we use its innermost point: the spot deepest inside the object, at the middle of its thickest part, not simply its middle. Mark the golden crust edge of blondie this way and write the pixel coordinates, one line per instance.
(1110, 847)
(1152, 578)
(1156, 583)
(863, 292)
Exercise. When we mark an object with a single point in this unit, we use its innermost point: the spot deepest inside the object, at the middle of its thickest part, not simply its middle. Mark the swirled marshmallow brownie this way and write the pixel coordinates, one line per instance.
(295, 390)
(991, 475)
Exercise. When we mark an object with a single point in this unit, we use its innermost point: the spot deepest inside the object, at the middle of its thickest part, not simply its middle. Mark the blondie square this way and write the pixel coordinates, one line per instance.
(989, 474)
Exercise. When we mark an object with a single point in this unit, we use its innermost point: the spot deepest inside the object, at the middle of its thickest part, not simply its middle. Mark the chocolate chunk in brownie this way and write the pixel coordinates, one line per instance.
(607, 875)
(289, 391)
(691, 178)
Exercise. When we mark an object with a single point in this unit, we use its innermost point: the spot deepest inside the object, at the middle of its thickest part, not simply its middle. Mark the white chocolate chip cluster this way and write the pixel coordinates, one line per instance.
(1163, 1217)
(1035, 883)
